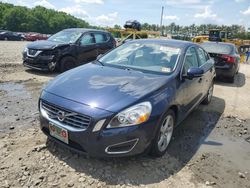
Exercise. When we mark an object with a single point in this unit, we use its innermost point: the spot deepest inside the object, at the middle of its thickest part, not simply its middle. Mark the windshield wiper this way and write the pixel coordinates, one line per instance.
(134, 70)
(100, 62)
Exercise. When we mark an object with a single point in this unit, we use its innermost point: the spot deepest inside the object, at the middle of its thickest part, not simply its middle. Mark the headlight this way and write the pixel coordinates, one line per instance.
(25, 50)
(134, 115)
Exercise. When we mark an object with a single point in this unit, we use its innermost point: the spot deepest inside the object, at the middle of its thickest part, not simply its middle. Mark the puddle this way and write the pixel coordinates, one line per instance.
(18, 104)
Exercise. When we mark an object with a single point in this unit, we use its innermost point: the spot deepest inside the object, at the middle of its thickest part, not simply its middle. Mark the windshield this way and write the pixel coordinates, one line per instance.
(143, 56)
(217, 48)
(65, 36)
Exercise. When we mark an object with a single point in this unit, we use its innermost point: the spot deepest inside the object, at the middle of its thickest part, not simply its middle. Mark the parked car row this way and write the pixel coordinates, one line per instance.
(19, 36)
(35, 36)
(126, 101)
(8, 35)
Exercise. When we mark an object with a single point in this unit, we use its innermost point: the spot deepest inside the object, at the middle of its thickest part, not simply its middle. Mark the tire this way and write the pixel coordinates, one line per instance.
(66, 63)
(163, 136)
(209, 96)
(5, 38)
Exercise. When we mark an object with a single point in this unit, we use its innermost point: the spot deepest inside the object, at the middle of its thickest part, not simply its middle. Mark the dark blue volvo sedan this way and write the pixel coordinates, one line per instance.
(129, 100)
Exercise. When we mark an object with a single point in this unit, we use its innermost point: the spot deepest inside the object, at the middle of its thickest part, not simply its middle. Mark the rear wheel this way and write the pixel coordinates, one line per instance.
(67, 63)
(164, 134)
(6, 38)
(209, 96)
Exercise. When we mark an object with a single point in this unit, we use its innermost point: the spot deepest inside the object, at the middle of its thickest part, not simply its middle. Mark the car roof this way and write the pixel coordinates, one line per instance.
(170, 42)
(223, 43)
(83, 30)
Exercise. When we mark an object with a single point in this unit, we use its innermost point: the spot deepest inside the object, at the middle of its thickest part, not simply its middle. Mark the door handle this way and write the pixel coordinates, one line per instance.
(200, 80)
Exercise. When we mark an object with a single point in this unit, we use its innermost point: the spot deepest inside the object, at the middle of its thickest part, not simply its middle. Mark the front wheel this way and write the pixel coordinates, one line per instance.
(67, 63)
(164, 134)
(209, 96)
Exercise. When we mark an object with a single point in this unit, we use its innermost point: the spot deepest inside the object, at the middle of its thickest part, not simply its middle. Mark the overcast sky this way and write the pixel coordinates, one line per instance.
(183, 12)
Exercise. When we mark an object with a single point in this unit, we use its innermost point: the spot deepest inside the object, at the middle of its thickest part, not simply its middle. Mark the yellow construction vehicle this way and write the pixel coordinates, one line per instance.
(200, 39)
(218, 35)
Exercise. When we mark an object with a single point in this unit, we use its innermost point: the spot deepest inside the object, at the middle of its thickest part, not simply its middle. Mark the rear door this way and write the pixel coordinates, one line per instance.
(87, 50)
(102, 42)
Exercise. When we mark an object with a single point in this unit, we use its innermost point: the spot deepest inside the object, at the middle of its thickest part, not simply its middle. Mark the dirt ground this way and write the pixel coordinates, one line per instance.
(211, 148)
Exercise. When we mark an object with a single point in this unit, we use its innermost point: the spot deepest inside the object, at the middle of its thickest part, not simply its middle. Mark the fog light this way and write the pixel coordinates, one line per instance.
(52, 66)
(122, 148)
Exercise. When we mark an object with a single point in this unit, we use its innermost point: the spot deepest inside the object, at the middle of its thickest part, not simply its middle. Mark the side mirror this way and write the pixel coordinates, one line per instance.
(99, 56)
(194, 72)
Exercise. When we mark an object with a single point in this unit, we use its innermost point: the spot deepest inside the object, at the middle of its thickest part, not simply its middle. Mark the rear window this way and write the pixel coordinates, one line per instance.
(217, 48)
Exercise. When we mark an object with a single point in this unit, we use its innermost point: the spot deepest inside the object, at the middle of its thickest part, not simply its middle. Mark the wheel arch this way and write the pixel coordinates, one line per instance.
(66, 55)
(176, 112)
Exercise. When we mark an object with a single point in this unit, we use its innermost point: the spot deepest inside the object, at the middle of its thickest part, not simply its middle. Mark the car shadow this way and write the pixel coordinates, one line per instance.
(239, 81)
(42, 73)
(144, 170)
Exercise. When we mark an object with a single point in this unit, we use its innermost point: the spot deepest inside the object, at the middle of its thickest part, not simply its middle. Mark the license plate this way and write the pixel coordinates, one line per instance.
(59, 133)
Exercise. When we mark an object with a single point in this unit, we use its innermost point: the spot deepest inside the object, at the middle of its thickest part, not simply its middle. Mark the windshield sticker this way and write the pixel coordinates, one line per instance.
(169, 49)
(165, 69)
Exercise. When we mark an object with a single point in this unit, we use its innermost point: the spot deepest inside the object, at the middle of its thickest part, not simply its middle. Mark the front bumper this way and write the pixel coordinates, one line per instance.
(118, 142)
(44, 63)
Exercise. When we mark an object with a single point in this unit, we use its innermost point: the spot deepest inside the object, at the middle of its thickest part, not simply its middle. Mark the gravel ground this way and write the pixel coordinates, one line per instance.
(211, 148)
(10, 52)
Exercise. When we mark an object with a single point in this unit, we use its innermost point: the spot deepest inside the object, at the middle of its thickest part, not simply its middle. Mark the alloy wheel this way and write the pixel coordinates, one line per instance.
(166, 132)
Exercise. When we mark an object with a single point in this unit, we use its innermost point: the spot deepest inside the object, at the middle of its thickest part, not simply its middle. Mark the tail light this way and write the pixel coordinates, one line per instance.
(229, 58)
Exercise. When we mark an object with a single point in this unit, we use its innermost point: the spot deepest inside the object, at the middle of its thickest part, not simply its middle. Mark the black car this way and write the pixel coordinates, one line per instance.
(226, 58)
(133, 24)
(128, 101)
(67, 49)
(8, 35)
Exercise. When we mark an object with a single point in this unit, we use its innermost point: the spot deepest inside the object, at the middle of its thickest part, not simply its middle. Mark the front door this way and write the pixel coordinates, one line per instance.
(87, 50)
(207, 65)
(190, 90)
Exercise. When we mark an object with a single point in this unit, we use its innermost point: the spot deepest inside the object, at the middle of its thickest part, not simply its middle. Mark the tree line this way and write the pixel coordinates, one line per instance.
(37, 19)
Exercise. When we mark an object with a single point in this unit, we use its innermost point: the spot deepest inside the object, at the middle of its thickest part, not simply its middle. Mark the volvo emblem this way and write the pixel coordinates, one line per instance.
(61, 115)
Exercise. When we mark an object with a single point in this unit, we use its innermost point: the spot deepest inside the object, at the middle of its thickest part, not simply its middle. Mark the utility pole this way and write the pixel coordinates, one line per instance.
(161, 28)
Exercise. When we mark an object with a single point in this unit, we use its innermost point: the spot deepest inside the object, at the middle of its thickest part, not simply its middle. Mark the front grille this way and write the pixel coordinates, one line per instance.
(32, 52)
(75, 120)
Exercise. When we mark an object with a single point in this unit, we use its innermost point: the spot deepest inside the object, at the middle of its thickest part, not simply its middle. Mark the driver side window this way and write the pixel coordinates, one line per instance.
(87, 39)
(190, 60)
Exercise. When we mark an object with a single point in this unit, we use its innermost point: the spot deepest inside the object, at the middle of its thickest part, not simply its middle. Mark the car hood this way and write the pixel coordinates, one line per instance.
(104, 87)
(44, 45)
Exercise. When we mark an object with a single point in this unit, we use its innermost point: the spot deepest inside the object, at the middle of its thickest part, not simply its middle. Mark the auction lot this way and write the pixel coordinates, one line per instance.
(210, 148)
